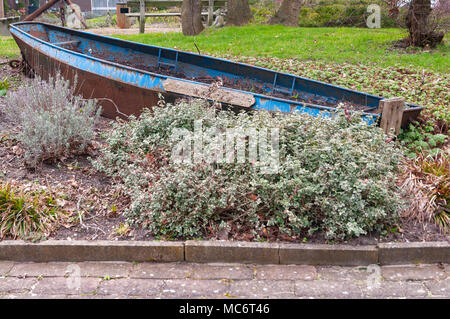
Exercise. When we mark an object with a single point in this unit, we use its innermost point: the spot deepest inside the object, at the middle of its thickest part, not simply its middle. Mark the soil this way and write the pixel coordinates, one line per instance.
(96, 205)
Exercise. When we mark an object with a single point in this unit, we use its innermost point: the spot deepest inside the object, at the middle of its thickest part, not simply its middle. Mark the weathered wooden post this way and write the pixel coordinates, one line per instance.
(123, 21)
(142, 16)
(2, 11)
(210, 12)
(392, 113)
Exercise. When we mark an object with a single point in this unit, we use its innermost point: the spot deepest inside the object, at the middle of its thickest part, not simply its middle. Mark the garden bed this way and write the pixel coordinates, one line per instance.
(79, 182)
(95, 205)
(76, 179)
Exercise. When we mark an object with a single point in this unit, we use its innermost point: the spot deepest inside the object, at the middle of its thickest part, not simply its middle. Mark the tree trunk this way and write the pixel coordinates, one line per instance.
(288, 13)
(238, 12)
(191, 17)
(421, 33)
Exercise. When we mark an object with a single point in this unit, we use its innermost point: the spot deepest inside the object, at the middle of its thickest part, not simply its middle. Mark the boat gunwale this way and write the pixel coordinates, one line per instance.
(96, 37)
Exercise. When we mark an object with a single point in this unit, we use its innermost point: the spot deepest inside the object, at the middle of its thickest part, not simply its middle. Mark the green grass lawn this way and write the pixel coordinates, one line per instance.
(338, 45)
(8, 47)
(351, 45)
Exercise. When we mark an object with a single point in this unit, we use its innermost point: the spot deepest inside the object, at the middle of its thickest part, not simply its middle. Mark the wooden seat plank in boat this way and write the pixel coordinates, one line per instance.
(209, 92)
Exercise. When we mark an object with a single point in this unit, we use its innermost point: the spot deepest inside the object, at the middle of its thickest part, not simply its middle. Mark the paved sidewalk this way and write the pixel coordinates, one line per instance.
(186, 280)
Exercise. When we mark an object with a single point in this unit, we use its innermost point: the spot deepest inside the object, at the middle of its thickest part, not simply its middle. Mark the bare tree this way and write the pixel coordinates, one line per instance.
(238, 12)
(288, 13)
(191, 17)
(422, 28)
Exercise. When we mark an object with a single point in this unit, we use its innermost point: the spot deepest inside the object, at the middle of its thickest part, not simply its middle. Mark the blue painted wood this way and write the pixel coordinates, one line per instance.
(125, 61)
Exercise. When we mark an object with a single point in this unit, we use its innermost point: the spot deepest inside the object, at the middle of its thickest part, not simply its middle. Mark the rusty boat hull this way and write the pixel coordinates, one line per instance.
(124, 76)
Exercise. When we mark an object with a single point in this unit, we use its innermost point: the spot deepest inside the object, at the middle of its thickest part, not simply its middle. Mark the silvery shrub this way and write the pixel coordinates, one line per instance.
(54, 121)
(335, 176)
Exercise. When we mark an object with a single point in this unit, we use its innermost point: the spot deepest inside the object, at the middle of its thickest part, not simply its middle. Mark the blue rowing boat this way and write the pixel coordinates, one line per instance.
(127, 76)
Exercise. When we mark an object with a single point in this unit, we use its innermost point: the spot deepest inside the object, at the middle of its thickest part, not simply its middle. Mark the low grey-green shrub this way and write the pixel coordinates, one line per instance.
(55, 122)
(334, 176)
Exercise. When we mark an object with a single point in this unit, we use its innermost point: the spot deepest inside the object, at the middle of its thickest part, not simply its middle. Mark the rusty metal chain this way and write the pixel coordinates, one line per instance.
(21, 66)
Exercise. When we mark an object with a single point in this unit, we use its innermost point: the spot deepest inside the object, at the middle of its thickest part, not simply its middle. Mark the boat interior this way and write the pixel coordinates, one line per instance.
(200, 68)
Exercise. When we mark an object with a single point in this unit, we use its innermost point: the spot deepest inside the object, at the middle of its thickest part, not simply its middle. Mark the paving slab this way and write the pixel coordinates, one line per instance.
(211, 271)
(103, 269)
(439, 288)
(106, 297)
(327, 289)
(66, 286)
(40, 269)
(95, 280)
(5, 267)
(131, 287)
(286, 272)
(30, 296)
(335, 273)
(188, 288)
(16, 285)
(391, 289)
(262, 289)
(413, 273)
(446, 268)
(161, 271)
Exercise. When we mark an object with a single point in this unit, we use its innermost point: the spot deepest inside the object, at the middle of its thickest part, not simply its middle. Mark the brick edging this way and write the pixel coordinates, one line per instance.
(225, 252)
